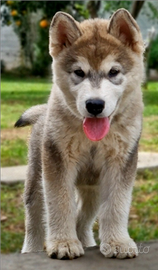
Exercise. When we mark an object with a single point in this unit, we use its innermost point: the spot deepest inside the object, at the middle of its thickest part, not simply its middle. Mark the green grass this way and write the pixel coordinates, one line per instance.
(143, 220)
(143, 217)
(12, 150)
(143, 225)
(12, 210)
(149, 138)
(18, 94)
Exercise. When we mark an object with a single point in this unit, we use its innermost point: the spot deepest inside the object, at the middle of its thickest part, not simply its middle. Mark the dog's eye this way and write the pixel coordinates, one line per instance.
(113, 72)
(79, 73)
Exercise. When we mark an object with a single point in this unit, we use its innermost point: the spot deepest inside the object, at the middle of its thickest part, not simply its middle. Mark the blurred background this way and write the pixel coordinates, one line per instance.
(26, 81)
(25, 25)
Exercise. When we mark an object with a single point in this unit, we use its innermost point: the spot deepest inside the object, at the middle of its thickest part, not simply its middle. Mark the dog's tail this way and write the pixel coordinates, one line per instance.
(30, 116)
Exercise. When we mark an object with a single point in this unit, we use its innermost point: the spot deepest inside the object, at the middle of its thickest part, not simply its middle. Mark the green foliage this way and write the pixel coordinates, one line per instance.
(81, 10)
(22, 7)
(153, 54)
(112, 6)
(151, 11)
(42, 59)
(35, 48)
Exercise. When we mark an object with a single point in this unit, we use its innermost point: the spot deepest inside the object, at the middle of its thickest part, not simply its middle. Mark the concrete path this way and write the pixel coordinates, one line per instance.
(14, 174)
(146, 160)
(92, 260)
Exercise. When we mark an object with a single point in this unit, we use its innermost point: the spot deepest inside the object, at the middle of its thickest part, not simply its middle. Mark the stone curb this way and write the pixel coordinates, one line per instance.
(15, 174)
(147, 160)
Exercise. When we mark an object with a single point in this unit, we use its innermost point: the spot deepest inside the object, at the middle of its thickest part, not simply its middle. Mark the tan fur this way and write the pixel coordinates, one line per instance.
(102, 173)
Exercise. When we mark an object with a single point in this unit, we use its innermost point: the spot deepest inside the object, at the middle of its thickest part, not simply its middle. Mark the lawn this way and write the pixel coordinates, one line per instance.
(19, 94)
(143, 220)
(149, 138)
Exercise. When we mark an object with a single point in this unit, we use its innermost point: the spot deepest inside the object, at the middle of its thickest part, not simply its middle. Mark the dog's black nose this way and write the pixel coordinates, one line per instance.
(95, 106)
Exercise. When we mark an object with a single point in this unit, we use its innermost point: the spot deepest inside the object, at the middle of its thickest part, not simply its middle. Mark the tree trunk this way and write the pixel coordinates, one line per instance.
(136, 7)
(93, 7)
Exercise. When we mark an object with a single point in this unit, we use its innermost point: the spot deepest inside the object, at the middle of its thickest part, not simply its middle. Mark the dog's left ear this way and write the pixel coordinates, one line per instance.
(64, 30)
(124, 27)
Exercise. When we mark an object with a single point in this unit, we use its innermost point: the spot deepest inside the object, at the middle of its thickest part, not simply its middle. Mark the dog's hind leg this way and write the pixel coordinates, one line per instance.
(33, 201)
(88, 204)
(34, 229)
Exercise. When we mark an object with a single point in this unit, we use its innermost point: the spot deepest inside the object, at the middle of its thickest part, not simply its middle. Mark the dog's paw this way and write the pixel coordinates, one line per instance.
(119, 250)
(69, 249)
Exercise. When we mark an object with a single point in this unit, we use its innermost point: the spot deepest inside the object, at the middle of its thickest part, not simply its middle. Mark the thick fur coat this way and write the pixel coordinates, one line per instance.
(72, 179)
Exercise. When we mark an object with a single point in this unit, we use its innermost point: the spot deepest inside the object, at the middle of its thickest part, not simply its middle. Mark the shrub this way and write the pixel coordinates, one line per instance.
(153, 54)
(42, 59)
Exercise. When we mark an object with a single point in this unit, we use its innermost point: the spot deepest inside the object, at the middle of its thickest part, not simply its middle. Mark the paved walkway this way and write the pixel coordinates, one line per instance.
(92, 260)
(146, 160)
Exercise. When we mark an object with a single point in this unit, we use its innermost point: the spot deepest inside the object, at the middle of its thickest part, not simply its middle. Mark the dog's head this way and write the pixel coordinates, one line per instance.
(95, 64)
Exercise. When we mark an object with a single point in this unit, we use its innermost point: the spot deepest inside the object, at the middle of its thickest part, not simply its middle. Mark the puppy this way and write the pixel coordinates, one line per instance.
(84, 142)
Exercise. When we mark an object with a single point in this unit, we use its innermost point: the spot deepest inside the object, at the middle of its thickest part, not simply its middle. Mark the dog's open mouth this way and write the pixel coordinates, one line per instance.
(96, 128)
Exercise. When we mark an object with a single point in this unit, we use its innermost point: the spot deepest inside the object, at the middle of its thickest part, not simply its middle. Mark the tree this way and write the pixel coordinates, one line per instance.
(133, 6)
(34, 45)
(93, 8)
(17, 9)
(136, 7)
(111, 6)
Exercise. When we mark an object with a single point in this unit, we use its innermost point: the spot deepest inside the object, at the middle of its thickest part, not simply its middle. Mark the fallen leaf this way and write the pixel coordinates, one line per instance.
(3, 218)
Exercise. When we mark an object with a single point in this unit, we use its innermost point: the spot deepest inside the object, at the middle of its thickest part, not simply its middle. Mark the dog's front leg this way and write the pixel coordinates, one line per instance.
(116, 190)
(58, 180)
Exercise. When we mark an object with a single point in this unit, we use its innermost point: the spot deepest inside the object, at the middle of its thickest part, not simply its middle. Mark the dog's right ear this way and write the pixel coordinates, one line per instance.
(123, 27)
(64, 30)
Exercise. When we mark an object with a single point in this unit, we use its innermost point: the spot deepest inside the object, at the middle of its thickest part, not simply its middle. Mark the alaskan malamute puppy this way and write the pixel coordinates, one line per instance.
(84, 141)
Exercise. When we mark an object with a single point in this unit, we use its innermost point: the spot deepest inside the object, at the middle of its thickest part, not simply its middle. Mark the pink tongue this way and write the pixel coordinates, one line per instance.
(96, 128)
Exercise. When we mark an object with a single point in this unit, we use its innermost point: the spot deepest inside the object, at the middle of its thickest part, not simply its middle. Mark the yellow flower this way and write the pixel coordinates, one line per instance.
(44, 23)
(14, 12)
